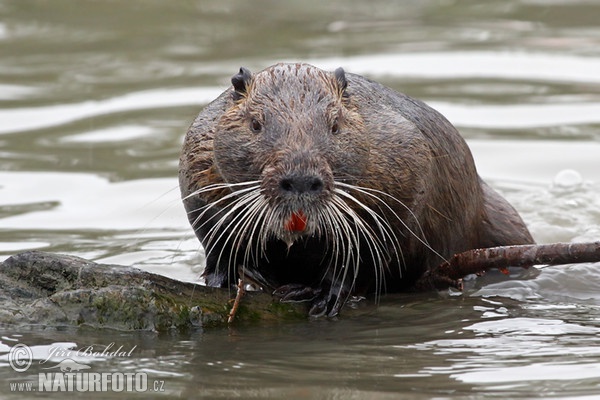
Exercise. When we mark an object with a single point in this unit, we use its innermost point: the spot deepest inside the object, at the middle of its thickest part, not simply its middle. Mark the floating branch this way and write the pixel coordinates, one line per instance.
(450, 273)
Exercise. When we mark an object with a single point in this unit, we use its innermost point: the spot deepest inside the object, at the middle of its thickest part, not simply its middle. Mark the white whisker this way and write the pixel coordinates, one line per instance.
(367, 192)
(351, 225)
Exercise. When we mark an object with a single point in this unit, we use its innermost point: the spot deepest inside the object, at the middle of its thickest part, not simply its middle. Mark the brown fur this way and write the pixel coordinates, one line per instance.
(310, 138)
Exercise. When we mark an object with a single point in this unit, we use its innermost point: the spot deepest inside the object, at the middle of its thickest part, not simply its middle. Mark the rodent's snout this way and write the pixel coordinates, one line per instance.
(298, 184)
(297, 181)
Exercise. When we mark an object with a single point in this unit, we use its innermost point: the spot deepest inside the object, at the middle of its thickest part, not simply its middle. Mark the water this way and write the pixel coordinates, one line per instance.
(95, 97)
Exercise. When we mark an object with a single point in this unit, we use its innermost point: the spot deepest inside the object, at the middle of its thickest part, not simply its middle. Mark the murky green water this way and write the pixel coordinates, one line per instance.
(95, 97)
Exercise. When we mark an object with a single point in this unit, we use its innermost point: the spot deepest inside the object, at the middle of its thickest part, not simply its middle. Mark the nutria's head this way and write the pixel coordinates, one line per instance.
(294, 132)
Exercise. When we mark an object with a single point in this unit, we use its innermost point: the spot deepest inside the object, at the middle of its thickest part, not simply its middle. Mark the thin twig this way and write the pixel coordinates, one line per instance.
(236, 302)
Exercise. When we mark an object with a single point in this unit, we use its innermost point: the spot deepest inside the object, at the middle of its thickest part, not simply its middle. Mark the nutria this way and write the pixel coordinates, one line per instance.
(323, 185)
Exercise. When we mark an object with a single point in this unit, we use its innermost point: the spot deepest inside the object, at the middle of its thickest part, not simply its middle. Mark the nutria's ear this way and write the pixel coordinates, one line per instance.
(340, 77)
(241, 82)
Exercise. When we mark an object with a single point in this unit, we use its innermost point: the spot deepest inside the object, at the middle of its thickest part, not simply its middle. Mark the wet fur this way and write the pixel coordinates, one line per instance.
(400, 189)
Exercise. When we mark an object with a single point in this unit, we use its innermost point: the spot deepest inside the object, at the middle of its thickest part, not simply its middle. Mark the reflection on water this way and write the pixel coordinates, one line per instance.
(488, 358)
(25, 119)
(95, 97)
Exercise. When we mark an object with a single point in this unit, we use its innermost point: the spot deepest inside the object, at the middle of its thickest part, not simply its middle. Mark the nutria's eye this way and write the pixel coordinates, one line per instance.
(335, 128)
(255, 125)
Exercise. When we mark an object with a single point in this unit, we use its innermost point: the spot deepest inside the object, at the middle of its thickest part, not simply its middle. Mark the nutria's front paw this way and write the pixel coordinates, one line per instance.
(327, 304)
(324, 302)
(296, 293)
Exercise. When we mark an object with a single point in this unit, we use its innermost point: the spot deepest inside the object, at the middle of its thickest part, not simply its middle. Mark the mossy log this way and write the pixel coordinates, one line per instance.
(39, 289)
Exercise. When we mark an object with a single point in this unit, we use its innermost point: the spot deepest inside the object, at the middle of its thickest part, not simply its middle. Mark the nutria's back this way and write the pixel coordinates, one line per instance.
(326, 184)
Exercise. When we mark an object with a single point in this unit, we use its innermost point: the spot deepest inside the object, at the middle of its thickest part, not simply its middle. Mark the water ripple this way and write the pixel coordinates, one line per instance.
(462, 64)
(24, 119)
(508, 66)
(548, 349)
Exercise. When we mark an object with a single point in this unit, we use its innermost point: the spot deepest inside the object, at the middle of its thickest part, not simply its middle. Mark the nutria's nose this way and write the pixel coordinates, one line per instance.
(299, 184)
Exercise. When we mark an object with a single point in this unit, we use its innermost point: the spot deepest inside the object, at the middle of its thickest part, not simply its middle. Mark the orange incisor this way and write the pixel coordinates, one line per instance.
(297, 222)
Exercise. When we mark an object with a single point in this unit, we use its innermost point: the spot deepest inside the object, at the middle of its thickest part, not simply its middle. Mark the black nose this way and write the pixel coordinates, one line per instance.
(299, 184)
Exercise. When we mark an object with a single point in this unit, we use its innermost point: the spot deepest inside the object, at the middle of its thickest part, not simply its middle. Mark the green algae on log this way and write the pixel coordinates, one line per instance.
(39, 289)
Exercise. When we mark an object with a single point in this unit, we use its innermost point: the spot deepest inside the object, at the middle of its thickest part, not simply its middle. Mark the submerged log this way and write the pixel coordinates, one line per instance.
(39, 289)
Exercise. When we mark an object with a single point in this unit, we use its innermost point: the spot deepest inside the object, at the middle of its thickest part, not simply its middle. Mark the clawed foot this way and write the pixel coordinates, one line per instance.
(324, 303)
(296, 293)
